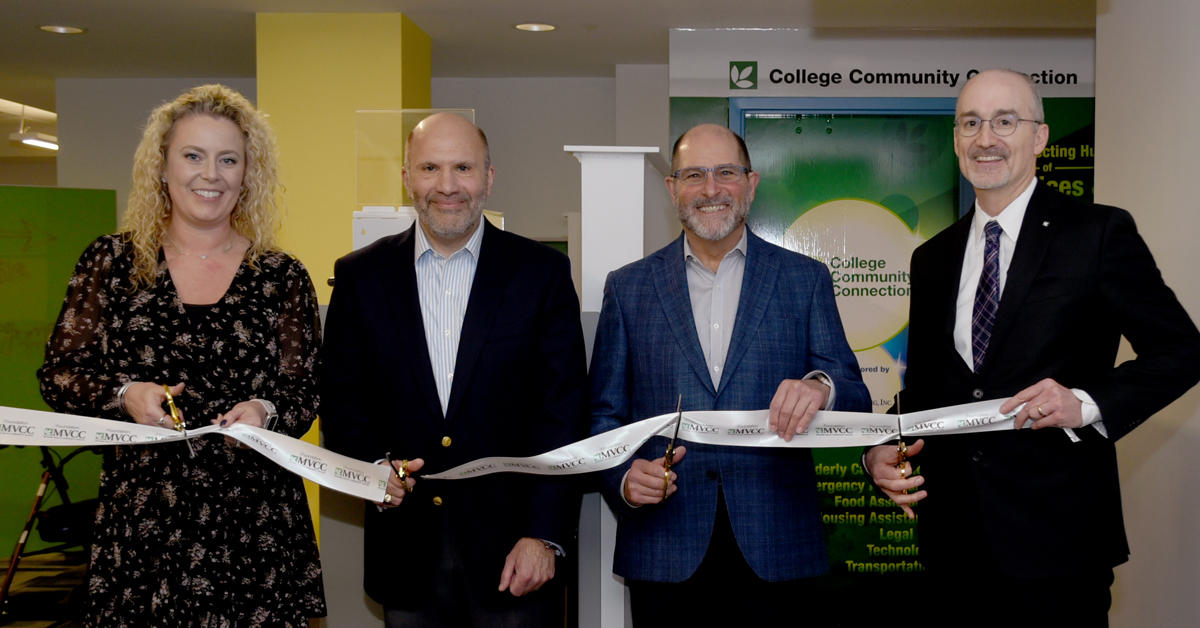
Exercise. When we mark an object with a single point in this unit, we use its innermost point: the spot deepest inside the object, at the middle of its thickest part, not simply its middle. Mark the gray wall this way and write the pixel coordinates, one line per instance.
(1147, 78)
(528, 121)
(100, 123)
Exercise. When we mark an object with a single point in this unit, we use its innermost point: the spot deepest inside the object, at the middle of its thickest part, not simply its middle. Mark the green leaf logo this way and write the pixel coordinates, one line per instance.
(743, 75)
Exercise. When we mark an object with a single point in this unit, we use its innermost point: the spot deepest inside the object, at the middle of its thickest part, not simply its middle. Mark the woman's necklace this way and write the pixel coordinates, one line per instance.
(172, 244)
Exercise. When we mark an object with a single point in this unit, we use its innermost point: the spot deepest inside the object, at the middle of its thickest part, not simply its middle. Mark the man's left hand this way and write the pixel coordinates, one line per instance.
(529, 565)
(795, 404)
(1047, 404)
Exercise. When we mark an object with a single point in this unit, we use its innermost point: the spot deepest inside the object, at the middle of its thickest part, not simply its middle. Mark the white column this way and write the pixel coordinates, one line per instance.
(615, 180)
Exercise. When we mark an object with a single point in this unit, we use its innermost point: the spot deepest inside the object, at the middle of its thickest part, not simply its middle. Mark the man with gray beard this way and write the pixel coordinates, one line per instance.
(451, 342)
(730, 322)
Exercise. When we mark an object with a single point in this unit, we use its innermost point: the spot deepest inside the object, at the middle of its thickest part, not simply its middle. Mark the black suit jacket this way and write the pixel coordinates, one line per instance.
(1080, 278)
(520, 389)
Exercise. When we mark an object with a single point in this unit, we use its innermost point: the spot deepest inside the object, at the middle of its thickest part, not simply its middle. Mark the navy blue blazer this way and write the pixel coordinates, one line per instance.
(520, 389)
(647, 353)
(1038, 504)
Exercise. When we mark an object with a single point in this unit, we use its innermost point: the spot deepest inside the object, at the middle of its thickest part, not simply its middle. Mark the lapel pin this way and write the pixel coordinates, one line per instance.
(1046, 224)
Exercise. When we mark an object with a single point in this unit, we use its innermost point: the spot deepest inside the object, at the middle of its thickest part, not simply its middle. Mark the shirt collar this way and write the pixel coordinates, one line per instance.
(472, 246)
(1010, 218)
(740, 246)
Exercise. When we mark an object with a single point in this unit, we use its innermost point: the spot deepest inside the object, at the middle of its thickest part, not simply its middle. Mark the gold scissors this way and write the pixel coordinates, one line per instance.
(177, 420)
(902, 451)
(670, 455)
(402, 474)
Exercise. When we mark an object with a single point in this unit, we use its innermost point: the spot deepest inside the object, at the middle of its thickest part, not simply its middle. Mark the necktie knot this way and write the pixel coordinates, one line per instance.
(991, 232)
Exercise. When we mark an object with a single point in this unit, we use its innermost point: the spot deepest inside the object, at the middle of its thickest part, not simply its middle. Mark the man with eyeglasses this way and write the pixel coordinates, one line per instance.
(730, 322)
(1027, 297)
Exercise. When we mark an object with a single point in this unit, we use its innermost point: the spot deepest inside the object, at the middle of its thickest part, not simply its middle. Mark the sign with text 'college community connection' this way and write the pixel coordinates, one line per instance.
(807, 63)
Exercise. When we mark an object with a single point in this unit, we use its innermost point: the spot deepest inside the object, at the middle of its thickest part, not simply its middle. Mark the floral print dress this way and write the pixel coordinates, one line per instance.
(224, 539)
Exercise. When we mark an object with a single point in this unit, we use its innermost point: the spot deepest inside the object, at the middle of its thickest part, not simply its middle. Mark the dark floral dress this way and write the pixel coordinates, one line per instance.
(224, 539)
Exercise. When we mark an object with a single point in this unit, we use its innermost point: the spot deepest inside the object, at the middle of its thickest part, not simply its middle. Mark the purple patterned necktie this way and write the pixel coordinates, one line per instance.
(987, 294)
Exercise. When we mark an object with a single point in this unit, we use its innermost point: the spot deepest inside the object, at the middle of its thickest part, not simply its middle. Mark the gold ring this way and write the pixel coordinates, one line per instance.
(903, 471)
(387, 499)
(1041, 412)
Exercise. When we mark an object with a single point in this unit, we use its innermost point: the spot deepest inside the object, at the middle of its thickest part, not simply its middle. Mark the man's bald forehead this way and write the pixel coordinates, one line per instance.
(446, 120)
(714, 129)
(1032, 96)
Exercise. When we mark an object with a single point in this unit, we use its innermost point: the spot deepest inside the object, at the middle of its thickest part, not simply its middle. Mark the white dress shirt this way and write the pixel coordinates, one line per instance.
(444, 287)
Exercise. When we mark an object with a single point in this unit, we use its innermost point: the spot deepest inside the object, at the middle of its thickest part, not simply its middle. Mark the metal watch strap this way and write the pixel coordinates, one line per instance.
(272, 415)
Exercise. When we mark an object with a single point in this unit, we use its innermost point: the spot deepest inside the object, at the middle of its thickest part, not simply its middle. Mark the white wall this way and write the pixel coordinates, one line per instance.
(1147, 87)
(100, 123)
(644, 119)
(644, 107)
(528, 121)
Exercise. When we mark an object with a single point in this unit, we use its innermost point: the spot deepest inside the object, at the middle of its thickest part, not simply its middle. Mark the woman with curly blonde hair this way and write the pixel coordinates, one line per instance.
(193, 294)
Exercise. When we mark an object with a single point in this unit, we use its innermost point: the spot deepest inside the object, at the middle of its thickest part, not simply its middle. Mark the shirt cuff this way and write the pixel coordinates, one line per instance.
(1091, 412)
(824, 378)
(558, 550)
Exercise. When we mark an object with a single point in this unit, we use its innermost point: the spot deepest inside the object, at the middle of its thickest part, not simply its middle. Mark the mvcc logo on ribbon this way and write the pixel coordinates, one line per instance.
(743, 75)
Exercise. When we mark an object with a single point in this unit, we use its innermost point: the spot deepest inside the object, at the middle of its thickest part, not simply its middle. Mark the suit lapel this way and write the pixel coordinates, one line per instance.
(492, 274)
(404, 303)
(758, 284)
(1036, 232)
(670, 282)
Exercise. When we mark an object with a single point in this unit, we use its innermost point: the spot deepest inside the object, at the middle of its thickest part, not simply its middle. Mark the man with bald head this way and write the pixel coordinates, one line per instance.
(1028, 297)
(451, 342)
(730, 322)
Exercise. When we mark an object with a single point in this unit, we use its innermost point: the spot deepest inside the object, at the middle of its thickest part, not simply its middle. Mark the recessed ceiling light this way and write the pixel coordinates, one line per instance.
(63, 30)
(534, 27)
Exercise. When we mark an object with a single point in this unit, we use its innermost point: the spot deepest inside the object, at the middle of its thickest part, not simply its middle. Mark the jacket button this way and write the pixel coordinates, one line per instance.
(712, 475)
(437, 501)
(977, 456)
(445, 441)
(977, 393)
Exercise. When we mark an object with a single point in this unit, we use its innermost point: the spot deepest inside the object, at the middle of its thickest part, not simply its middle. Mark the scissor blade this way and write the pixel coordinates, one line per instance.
(678, 422)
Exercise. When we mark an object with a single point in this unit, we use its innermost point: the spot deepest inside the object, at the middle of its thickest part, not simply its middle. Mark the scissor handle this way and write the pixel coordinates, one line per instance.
(175, 417)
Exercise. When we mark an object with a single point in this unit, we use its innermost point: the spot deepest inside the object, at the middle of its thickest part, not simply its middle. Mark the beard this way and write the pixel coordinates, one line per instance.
(449, 225)
(988, 182)
(713, 228)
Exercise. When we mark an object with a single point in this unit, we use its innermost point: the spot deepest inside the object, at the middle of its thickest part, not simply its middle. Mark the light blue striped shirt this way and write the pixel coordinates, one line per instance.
(444, 287)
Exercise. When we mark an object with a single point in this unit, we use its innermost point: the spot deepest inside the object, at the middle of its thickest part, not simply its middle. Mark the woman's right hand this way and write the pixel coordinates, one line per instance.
(144, 401)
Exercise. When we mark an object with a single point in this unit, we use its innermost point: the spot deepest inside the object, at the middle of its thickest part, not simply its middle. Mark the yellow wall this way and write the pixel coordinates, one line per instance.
(314, 72)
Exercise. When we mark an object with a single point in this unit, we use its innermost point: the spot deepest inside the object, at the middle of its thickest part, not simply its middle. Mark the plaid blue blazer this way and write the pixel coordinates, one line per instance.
(647, 353)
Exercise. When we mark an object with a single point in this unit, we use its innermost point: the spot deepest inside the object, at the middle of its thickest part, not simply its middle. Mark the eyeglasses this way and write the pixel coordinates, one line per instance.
(728, 173)
(1003, 126)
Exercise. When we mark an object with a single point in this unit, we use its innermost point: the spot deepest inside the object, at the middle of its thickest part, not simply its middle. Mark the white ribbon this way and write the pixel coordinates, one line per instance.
(744, 429)
(599, 452)
(335, 471)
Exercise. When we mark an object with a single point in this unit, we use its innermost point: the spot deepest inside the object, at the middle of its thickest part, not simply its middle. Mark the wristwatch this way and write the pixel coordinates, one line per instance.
(272, 415)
